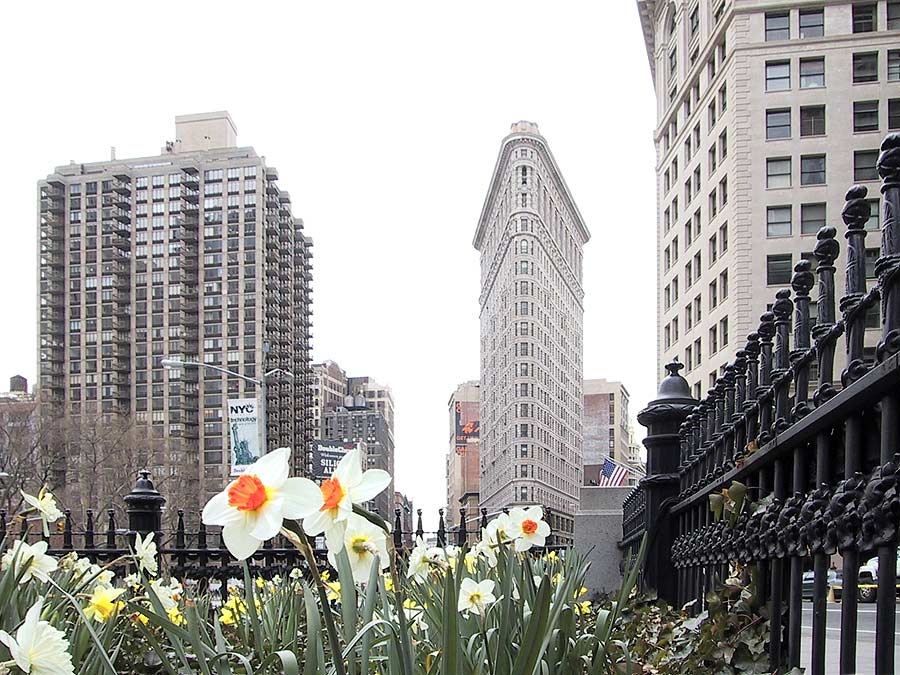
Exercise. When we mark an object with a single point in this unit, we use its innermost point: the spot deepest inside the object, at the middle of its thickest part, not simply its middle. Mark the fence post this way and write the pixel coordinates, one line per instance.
(144, 509)
(663, 418)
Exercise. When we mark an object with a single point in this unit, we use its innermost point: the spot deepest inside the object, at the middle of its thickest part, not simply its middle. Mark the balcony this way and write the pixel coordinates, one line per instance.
(53, 355)
(121, 184)
(116, 213)
(116, 241)
(114, 255)
(190, 195)
(51, 220)
(52, 205)
(121, 201)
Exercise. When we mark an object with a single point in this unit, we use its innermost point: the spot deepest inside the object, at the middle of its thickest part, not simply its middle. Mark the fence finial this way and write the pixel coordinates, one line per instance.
(144, 507)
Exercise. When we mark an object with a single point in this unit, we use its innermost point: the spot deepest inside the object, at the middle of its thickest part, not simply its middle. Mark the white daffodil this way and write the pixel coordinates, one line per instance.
(45, 506)
(145, 554)
(39, 648)
(418, 563)
(348, 485)
(167, 594)
(252, 508)
(485, 550)
(475, 596)
(499, 530)
(363, 542)
(528, 527)
(32, 558)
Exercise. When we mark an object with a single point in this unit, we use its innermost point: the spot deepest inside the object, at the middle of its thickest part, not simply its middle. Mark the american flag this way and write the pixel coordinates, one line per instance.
(612, 474)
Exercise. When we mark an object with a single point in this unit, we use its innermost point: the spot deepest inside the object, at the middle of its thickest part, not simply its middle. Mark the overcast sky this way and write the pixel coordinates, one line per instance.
(384, 120)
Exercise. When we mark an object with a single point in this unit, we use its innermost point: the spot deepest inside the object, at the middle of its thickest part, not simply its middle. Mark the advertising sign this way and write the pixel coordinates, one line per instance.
(465, 431)
(243, 428)
(326, 455)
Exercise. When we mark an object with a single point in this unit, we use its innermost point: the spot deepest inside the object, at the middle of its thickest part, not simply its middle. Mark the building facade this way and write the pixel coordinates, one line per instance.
(404, 504)
(463, 456)
(530, 236)
(193, 254)
(355, 421)
(607, 429)
(766, 112)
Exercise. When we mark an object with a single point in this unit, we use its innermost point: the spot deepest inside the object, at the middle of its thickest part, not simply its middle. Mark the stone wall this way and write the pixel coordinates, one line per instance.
(598, 530)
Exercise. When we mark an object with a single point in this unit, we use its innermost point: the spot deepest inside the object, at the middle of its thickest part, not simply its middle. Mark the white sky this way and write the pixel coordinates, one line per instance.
(384, 120)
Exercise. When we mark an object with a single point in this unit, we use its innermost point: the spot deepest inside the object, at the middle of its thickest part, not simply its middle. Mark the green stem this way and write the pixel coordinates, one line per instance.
(487, 646)
(398, 598)
(301, 541)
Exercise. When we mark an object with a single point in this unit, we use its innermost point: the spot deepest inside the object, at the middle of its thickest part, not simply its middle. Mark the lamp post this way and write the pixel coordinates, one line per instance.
(260, 384)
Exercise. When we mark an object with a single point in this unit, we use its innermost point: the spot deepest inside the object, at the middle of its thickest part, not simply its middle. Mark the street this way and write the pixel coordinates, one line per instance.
(865, 641)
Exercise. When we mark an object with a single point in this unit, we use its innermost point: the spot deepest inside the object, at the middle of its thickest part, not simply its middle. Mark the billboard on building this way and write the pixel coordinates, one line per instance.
(243, 429)
(326, 455)
(464, 432)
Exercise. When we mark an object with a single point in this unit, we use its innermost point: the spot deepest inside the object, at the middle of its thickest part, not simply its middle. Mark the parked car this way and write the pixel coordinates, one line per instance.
(809, 582)
(867, 583)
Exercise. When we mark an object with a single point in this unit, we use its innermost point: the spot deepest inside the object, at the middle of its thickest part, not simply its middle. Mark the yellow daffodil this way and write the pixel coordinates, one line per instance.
(103, 604)
(582, 608)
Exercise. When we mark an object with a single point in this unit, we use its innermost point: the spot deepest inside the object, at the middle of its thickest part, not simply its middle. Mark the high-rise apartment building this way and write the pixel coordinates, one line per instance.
(767, 111)
(192, 254)
(356, 421)
(607, 429)
(530, 236)
(463, 456)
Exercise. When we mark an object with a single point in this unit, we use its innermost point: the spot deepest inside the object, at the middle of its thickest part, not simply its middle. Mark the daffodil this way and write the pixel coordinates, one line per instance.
(499, 530)
(45, 507)
(348, 485)
(528, 527)
(145, 554)
(252, 507)
(176, 617)
(484, 549)
(475, 596)
(551, 556)
(582, 608)
(418, 564)
(363, 541)
(333, 590)
(471, 560)
(39, 648)
(232, 611)
(103, 603)
(167, 594)
(296, 573)
(32, 558)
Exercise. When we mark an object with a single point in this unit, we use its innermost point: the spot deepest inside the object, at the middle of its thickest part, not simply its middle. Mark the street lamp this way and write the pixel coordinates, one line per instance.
(260, 384)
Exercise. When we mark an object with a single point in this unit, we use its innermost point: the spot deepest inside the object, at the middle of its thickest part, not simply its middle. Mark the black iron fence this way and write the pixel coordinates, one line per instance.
(819, 458)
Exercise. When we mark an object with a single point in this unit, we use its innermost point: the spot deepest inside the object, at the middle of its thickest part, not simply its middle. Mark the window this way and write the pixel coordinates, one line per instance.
(723, 331)
(712, 114)
(865, 116)
(812, 218)
(864, 165)
(713, 249)
(778, 221)
(713, 340)
(723, 191)
(871, 256)
(893, 65)
(697, 357)
(778, 123)
(812, 23)
(893, 15)
(812, 120)
(865, 18)
(778, 172)
(723, 237)
(723, 145)
(668, 334)
(712, 159)
(723, 97)
(874, 222)
(812, 170)
(723, 284)
(778, 269)
(894, 113)
(713, 295)
(865, 67)
(688, 360)
(778, 26)
(713, 204)
(812, 73)
(778, 75)
(673, 63)
(694, 22)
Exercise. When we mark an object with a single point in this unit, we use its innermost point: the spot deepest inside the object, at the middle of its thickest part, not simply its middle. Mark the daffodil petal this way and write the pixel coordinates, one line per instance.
(317, 523)
(370, 484)
(302, 498)
(239, 542)
(522, 544)
(349, 469)
(268, 520)
(272, 468)
(218, 512)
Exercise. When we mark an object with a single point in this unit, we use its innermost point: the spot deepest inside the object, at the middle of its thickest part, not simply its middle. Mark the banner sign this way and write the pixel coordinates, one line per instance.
(243, 428)
(465, 431)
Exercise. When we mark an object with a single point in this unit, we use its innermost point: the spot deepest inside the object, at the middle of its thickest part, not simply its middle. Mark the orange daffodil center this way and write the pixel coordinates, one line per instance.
(247, 493)
(332, 494)
(529, 526)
